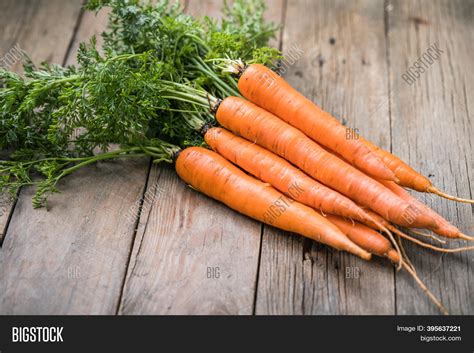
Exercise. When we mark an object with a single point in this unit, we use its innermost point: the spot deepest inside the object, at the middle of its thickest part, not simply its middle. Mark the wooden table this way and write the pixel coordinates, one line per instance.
(187, 254)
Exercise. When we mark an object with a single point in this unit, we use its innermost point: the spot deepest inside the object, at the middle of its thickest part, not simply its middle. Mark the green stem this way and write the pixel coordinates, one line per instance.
(63, 159)
(185, 100)
(186, 93)
(58, 82)
(100, 157)
(68, 79)
(195, 121)
(228, 90)
(234, 83)
(199, 40)
(186, 97)
(128, 56)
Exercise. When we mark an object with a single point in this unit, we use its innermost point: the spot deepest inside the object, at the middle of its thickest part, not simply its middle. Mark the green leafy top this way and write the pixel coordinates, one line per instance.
(149, 88)
(180, 39)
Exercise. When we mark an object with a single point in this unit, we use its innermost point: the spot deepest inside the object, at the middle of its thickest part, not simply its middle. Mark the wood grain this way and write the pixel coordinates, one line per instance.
(343, 69)
(72, 258)
(184, 241)
(182, 236)
(432, 128)
(41, 28)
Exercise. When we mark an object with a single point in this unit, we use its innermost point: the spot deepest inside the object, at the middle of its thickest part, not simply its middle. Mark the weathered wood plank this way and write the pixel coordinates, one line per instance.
(71, 259)
(42, 28)
(191, 254)
(432, 129)
(182, 238)
(342, 68)
(29, 26)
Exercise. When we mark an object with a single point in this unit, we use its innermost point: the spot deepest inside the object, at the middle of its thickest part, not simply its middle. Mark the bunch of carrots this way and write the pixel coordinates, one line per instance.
(305, 177)
(268, 152)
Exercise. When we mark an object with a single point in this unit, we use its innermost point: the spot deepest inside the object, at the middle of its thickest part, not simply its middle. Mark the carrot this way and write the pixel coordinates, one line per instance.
(283, 176)
(365, 237)
(376, 244)
(268, 90)
(396, 231)
(407, 176)
(216, 177)
(444, 228)
(256, 124)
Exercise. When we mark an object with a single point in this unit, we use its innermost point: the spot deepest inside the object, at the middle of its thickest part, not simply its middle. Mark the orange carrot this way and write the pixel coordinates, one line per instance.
(366, 238)
(401, 234)
(283, 176)
(407, 176)
(268, 90)
(216, 177)
(375, 243)
(257, 125)
(444, 228)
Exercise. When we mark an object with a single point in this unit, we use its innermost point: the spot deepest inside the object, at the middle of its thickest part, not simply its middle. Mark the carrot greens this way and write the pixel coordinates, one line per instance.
(151, 81)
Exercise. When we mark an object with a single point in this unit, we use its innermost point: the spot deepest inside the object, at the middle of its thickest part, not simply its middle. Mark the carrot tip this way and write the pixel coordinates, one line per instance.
(393, 256)
(356, 250)
(465, 237)
(438, 192)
